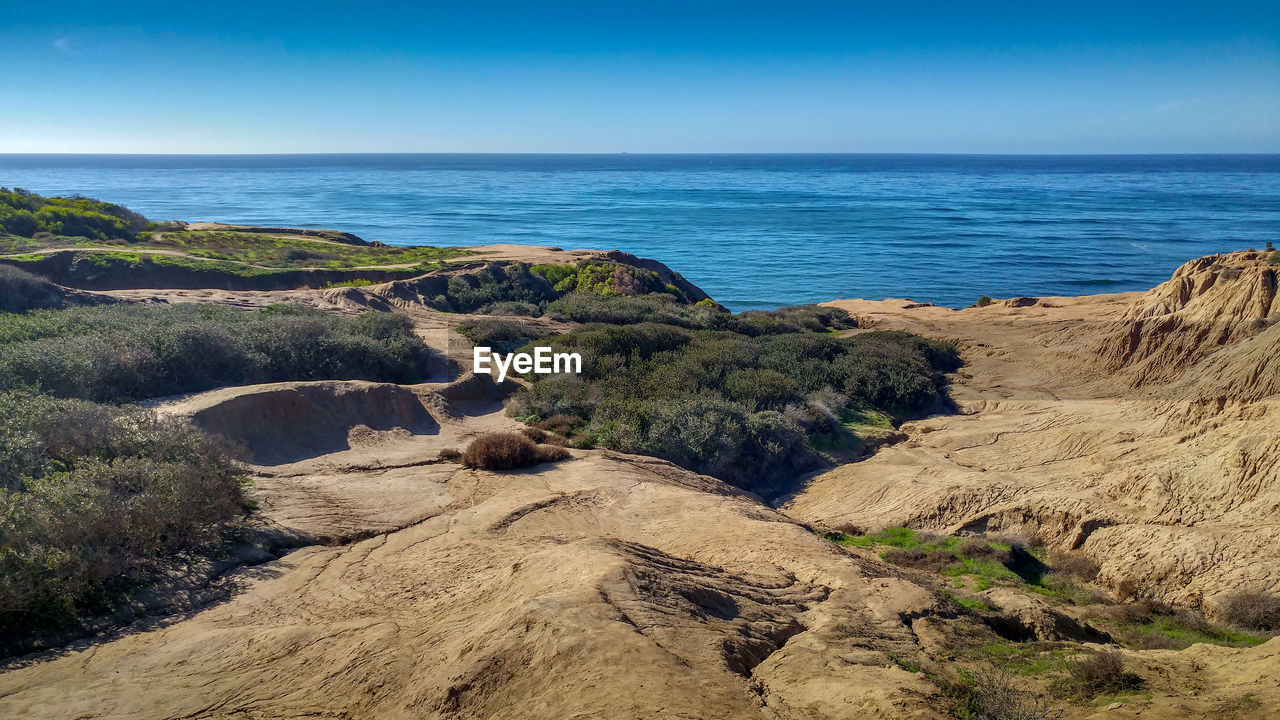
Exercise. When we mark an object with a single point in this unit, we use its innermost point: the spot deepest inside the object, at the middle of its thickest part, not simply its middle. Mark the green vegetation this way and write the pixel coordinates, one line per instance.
(98, 499)
(979, 563)
(110, 245)
(21, 291)
(1146, 624)
(1275, 258)
(592, 291)
(27, 215)
(123, 352)
(743, 402)
(357, 282)
(501, 334)
(604, 278)
(1098, 673)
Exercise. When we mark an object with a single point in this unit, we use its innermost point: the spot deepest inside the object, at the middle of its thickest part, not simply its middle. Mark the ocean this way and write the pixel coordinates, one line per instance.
(754, 231)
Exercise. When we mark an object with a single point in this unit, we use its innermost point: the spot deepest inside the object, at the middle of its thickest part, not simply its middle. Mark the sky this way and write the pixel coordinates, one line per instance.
(640, 76)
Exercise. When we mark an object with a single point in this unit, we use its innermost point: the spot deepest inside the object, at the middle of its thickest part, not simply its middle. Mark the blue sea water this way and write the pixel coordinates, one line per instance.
(755, 231)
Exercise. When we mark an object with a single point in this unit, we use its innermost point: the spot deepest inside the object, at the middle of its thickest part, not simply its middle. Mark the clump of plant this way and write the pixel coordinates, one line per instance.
(1153, 625)
(509, 451)
(355, 283)
(743, 408)
(97, 500)
(21, 291)
(1252, 609)
(26, 214)
(501, 334)
(991, 695)
(128, 352)
(1100, 672)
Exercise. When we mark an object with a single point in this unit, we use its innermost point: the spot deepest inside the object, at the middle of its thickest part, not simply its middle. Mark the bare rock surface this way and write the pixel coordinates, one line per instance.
(1139, 428)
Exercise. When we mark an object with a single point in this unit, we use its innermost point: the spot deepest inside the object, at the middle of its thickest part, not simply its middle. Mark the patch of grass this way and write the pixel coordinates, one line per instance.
(968, 602)
(1275, 258)
(281, 250)
(1151, 625)
(355, 282)
(1026, 658)
(991, 696)
(863, 419)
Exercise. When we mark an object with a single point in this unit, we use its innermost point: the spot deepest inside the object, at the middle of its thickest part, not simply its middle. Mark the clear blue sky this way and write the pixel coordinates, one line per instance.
(640, 76)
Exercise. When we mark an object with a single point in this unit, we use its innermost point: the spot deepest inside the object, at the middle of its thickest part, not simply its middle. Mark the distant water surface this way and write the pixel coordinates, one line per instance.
(755, 231)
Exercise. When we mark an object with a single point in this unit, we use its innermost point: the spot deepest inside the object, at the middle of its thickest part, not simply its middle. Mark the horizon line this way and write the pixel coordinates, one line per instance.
(639, 154)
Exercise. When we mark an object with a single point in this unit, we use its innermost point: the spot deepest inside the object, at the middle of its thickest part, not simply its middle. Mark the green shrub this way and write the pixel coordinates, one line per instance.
(124, 352)
(98, 499)
(740, 407)
(21, 291)
(509, 451)
(356, 282)
(585, 307)
(495, 283)
(504, 336)
(24, 213)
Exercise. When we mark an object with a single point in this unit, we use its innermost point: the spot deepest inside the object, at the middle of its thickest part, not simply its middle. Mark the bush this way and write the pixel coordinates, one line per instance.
(559, 424)
(21, 291)
(992, 696)
(495, 283)
(1074, 567)
(25, 214)
(1251, 609)
(449, 455)
(1101, 672)
(125, 352)
(98, 499)
(744, 408)
(504, 336)
(509, 451)
(623, 310)
(511, 307)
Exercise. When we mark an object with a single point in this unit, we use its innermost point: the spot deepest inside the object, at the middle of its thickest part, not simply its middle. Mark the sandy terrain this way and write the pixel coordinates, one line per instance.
(615, 586)
(1138, 428)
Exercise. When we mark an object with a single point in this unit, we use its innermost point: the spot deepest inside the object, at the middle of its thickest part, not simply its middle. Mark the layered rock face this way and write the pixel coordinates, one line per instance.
(1138, 428)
